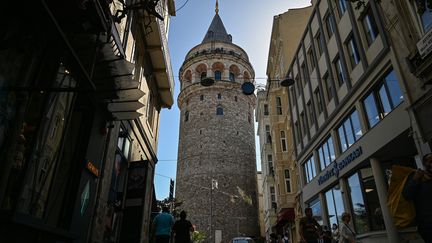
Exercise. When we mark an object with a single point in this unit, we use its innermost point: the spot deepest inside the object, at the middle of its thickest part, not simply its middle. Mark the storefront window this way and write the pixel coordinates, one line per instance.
(335, 206)
(38, 149)
(315, 205)
(367, 215)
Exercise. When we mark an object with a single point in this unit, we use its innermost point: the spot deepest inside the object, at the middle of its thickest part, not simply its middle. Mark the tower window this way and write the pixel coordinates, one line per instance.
(218, 75)
(219, 96)
(219, 111)
(231, 77)
(235, 98)
(201, 97)
(186, 116)
(203, 75)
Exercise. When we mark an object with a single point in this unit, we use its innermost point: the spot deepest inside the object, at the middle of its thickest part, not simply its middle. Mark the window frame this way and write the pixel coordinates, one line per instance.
(218, 75)
(370, 27)
(353, 51)
(278, 105)
(309, 169)
(342, 126)
(284, 145)
(325, 154)
(375, 95)
(320, 106)
(219, 111)
(287, 179)
(341, 7)
(340, 74)
(330, 25)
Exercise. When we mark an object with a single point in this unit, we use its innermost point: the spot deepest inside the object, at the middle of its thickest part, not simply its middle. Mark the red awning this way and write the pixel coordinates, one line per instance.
(285, 215)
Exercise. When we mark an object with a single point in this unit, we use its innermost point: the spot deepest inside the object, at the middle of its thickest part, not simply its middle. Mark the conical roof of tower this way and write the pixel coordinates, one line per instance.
(217, 31)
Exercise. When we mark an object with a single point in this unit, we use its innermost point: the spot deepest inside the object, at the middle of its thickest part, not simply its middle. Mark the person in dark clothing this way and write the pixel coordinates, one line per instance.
(310, 230)
(273, 238)
(182, 229)
(326, 234)
(418, 188)
(162, 225)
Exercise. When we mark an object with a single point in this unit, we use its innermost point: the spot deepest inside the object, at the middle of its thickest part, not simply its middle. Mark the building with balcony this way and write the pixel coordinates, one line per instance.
(82, 88)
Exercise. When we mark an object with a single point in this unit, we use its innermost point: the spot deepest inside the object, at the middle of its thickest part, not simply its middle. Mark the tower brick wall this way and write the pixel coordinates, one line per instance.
(217, 147)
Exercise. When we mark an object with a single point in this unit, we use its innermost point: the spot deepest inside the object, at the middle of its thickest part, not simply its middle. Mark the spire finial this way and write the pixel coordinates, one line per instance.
(217, 7)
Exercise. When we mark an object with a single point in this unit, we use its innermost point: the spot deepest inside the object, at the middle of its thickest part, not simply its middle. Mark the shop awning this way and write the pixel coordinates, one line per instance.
(285, 215)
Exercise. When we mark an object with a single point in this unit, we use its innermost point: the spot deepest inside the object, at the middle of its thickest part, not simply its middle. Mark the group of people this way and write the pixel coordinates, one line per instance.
(312, 232)
(164, 227)
(417, 189)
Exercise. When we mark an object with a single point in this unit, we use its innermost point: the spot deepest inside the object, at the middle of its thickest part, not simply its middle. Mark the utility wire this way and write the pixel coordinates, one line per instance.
(184, 4)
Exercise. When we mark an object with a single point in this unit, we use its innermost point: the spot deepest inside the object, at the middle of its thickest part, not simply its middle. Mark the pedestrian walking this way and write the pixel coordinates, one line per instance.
(418, 189)
(347, 234)
(162, 225)
(335, 233)
(182, 229)
(310, 230)
(285, 239)
(326, 235)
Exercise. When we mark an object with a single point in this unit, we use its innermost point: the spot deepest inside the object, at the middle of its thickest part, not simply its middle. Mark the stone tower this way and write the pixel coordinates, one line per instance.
(216, 170)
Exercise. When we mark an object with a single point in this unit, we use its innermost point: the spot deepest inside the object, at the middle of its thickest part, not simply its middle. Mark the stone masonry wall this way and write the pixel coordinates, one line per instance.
(222, 148)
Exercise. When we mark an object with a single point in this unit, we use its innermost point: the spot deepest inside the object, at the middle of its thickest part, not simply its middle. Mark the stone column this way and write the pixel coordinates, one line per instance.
(392, 232)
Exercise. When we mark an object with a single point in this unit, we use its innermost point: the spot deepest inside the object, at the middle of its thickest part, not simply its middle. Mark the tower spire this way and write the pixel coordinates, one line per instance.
(217, 7)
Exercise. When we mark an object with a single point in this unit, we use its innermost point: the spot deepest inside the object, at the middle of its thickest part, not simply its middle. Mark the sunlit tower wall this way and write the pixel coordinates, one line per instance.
(216, 168)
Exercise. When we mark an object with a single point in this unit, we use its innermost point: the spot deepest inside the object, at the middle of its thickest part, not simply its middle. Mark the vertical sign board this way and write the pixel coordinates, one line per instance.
(134, 205)
(136, 182)
(424, 45)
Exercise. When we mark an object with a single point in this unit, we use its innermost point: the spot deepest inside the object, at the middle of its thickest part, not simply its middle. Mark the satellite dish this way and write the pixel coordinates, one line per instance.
(207, 82)
(248, 88)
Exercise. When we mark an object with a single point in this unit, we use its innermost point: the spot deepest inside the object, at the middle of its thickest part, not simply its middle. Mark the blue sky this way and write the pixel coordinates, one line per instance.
(249, 22)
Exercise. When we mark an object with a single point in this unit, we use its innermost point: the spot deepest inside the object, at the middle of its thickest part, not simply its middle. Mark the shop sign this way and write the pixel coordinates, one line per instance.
(337, 167)
(424, 46)
(92, 168)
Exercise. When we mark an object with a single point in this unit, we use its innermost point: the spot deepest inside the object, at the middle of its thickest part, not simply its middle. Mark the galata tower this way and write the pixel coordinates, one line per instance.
(216, 169)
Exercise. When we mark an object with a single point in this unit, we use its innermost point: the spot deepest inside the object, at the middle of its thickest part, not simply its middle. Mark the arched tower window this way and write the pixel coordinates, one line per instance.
(201, 70)
(232, 77)
(218, 75)
(219, 111)
(188, 76)
(203, 75)
(217, 68)
(234, 71)
(246, 76)
(186, 116)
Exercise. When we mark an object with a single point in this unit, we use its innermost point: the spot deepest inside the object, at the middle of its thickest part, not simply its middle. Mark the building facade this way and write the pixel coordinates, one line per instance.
(81, 91)
(216, 170)
(262, 116)
(286, 33)
(353, 113)
(260, 203)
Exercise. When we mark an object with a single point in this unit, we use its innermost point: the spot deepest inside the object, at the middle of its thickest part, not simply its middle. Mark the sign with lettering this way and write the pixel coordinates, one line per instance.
(338, 166)
(92, 168)
(424, 45)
